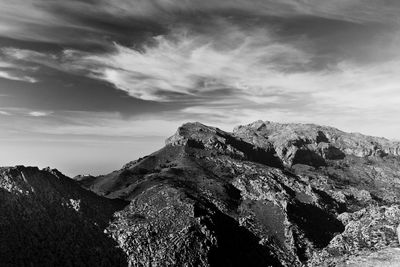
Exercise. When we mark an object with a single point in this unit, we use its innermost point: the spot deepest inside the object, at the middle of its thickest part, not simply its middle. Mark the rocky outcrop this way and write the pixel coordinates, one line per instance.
(367, 230)
(311, 144)
(197, 135)
(165, 226)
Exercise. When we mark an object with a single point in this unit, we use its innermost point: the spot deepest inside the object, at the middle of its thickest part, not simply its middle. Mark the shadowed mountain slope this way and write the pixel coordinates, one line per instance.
(48, 220)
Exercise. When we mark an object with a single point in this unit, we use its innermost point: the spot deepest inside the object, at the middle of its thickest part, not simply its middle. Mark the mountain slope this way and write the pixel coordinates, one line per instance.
(48, 220)
(267, 194)
(288, 189)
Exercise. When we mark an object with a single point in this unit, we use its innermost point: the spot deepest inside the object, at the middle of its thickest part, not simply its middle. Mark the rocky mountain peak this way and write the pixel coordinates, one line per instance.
(266, 194)
(195, 133)
(313, 144)
(290, 143)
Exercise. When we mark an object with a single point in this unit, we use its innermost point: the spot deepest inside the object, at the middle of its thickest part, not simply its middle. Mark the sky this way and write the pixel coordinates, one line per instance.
(88, 85)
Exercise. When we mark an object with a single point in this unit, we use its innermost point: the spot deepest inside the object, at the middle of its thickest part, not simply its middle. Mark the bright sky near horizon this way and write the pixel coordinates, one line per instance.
(88, 85)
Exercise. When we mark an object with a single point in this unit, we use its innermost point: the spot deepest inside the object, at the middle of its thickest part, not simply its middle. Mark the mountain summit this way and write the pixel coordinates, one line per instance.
(266, 194)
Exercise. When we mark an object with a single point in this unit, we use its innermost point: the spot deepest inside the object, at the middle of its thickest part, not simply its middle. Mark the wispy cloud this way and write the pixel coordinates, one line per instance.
(4, 113)
(12, 70)
(39, 113)
(10, 76)
(193, 65)
(228, 60)
(253, 65)
(250, 71)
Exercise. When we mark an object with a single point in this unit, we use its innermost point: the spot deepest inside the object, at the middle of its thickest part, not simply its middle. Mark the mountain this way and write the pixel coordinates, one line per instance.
(47, 219)
(266, 194)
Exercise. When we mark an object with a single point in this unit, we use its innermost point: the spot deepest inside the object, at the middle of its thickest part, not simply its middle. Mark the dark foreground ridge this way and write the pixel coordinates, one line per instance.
(267, 194)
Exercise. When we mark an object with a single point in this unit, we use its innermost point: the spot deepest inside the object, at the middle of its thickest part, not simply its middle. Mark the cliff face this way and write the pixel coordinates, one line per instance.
(267, 194)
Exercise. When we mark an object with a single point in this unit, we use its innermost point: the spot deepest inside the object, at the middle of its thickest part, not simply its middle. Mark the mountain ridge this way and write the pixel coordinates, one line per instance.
(266, 194)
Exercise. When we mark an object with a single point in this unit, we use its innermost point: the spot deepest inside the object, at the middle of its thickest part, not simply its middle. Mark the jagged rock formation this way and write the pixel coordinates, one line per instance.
(267, 194)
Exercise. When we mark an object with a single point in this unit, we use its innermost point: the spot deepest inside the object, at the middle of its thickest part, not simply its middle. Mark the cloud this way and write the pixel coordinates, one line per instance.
(11, 76)
(39, 113)
(34, 20)
(194, 65)
(12, 70)
(258, 77)
(29, 60)
(251, 65)
(304, 59)
(72, 124)
(358, 10)
(25, 54)
(248, 69)
(97, 22)
(4, 113)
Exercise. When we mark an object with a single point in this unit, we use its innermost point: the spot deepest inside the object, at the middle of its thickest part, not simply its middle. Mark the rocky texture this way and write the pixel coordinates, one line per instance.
(295, 190)
(367, 230)
(388, 257)
(311, 144)
(267, 194)
(197, 135)
(166, 227)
